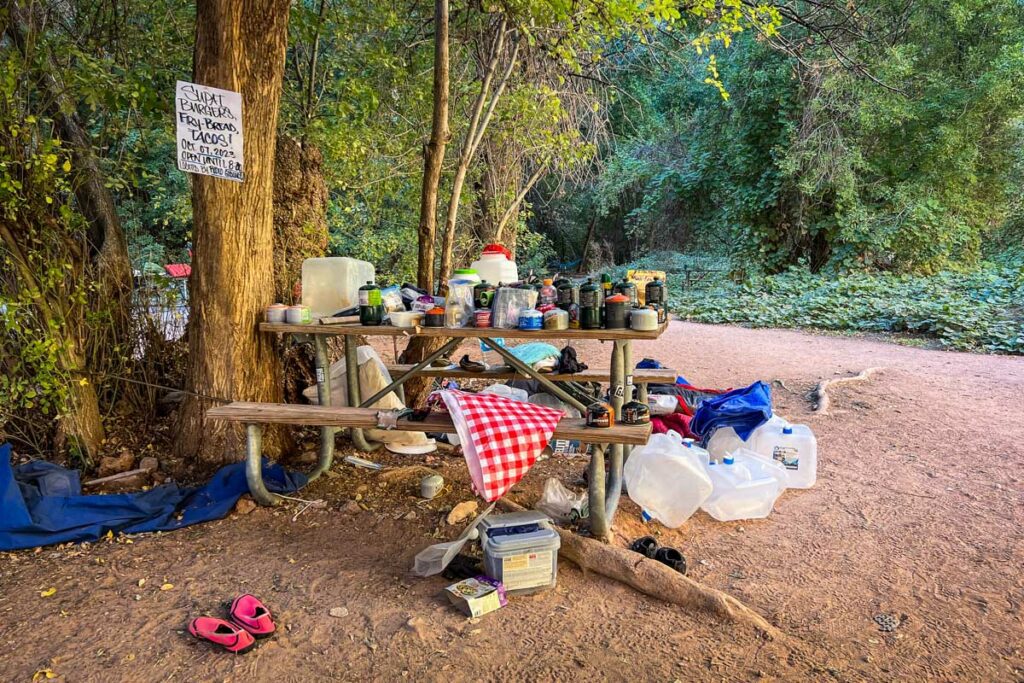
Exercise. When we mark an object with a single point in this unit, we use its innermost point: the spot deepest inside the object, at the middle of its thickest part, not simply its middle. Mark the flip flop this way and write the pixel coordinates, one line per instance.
(231, 637)
(248, 612)
(671, 557)
(646, 546)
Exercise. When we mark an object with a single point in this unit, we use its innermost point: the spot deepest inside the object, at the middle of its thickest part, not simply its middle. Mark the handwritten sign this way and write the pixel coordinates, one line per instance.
(209, 131)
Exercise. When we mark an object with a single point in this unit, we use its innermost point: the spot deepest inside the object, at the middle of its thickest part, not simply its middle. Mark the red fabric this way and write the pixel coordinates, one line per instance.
(507, 436)
(178, 269)
(678, 422)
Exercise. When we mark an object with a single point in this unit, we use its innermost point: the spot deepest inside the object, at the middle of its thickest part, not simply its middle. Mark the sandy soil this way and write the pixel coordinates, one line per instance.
(918, 512)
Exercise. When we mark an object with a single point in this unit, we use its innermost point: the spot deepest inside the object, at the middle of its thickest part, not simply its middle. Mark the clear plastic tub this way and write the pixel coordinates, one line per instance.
(331, 284)
(521, 551)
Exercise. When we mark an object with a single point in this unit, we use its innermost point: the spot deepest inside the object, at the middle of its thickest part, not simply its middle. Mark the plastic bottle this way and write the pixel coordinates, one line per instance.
(548, 293)
(371, 305)
(796, 449)
(496, 265)
(590, 306)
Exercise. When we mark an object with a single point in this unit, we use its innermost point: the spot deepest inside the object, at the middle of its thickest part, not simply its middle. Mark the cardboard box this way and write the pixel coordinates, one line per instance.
(477, 596)
(640, 278)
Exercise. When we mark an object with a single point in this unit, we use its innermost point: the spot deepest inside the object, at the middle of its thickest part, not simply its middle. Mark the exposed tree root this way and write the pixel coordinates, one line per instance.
(655, 579)
(820, 393)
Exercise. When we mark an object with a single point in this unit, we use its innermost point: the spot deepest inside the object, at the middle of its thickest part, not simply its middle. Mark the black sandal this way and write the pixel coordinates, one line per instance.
(672, 558)
(646, 546)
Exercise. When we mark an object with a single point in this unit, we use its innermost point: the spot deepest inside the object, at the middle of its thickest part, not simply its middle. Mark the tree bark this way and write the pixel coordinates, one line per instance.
(240, 46)
(433, 153)
(300, 211)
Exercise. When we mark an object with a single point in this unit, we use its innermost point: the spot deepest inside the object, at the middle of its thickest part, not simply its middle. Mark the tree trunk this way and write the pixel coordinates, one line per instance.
(433, 153)
(240, 46)
(300, 212)
(433, 156)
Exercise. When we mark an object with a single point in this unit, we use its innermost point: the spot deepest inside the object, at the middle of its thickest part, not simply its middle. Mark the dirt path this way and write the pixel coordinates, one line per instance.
(918, 511)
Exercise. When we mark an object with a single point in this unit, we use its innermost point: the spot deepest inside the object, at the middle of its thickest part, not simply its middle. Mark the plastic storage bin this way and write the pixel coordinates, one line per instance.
(745, 488)
(792, 446)
(331, 284)
(667, 479)
(521, 551)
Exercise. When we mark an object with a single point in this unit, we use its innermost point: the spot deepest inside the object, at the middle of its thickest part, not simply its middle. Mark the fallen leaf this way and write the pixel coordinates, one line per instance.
(47, 593)
(142, 582)
(43, 674)
(167, 586)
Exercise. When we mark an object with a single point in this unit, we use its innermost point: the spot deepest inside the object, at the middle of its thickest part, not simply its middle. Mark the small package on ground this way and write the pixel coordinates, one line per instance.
(521, 551)
(477, 596)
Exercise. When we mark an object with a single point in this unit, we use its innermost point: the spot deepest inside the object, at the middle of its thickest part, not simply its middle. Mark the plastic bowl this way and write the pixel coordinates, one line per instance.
(406, 318)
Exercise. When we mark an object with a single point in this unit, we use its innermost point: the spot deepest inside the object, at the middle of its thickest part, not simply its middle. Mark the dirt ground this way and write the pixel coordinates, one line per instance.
(918, 512)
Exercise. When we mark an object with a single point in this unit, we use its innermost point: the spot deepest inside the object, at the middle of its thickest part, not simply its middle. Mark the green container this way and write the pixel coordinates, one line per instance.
(590, 305)
(371, 305)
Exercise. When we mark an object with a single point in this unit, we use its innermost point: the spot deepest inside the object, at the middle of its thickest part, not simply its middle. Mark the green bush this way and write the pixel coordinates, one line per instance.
(982, 309)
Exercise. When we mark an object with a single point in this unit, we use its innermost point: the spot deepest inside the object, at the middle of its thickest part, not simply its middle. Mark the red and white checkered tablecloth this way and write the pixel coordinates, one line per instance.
(501, 437)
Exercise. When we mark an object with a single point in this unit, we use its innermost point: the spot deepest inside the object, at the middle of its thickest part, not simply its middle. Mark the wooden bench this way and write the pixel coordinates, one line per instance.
(255, 415)
(640, 376)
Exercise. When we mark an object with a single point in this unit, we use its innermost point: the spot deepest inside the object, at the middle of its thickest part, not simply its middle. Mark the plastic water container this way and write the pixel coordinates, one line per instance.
(667, 479)
(746, 486)
(495, 267)
(507, 391)
(726, 441)
(792, 446)
(521, 551)
(332, 284)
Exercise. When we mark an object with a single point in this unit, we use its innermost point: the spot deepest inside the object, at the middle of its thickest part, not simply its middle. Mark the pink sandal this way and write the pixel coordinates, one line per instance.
(248, 612)
(230, 636)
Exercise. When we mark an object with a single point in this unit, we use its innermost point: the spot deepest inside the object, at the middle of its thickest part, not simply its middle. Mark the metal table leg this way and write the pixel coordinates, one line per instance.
(599, 525)
(254, 466)
(627, 370)
(352, 375)
(323, 393)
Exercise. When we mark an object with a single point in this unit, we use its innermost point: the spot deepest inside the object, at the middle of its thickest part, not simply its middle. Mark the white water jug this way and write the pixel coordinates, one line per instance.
(725, 441)
(792, 446)
(745, 487)
(332, 284)
(666, 479)
(495, 268)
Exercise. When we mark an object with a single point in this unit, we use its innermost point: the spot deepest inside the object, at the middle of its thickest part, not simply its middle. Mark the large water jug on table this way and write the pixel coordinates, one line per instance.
(331, 284)
(496, 266)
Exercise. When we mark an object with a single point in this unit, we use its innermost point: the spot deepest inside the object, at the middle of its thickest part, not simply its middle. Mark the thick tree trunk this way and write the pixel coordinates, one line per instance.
(240, 45)
(433, 153)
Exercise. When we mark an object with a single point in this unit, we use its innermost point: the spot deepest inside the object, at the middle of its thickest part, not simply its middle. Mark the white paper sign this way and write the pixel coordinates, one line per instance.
(209, 131)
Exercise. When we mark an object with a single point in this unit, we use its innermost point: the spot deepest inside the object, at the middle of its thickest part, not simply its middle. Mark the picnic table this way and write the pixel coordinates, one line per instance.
(605, 482)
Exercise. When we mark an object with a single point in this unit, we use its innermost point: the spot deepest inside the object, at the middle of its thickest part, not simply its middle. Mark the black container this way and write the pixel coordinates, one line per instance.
(616, 312)
(655, 292)
(600, 415)
(371, 305)
(434, 317)
(483, 295)
(629, 289)
(636, 413)
(590, 306)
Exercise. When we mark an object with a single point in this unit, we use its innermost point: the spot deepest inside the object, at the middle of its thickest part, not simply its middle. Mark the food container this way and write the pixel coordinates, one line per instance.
(434, 317)
(406, 318)
(521, 551)
(643, 319)
(298, 315)
(531, 320)
(431, 485)
(276, 313)
(482, 317)
(556, 319)
(616, 312)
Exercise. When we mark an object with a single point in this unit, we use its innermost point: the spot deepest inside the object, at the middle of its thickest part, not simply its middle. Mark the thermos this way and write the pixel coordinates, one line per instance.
(371, 305)
(590, 306)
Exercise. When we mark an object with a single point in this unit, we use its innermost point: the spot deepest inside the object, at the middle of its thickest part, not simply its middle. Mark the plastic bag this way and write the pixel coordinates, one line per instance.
(458, 309)
(391, 297)
(507, 305)
(561, 504)
(433, 559)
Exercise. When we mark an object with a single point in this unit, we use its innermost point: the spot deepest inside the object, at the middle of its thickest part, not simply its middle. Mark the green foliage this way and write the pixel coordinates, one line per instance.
(978, 310)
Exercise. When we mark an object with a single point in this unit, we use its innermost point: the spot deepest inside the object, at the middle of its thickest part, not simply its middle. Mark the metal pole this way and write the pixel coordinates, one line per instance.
(323, 393)
(544, 381)
(410, 373)
(596, 487)
(627, 369)
(352, 375)
(617, 389)
(254, 466)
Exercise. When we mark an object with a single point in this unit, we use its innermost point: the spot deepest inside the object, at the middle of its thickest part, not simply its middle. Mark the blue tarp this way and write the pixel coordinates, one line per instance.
(41, 503)
(743, 409)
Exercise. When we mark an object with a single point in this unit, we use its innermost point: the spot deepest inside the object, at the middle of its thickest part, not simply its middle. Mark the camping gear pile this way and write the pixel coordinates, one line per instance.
(723, 452)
